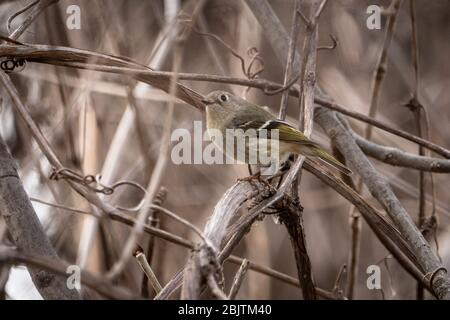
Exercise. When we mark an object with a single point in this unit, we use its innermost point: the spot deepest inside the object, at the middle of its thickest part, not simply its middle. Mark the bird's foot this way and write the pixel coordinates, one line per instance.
(257, 176)
(285, 166)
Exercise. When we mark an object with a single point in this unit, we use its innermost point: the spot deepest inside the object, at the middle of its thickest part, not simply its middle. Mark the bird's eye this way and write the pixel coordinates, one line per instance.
(223, 97)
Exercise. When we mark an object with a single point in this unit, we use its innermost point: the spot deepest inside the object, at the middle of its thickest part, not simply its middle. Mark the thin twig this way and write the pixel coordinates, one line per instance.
(295, 27)
(19, 12)
(238, 278)
(170, 214)
(381, 67)
(154, 221)
(35, 12)
(337, 283)
(226, 45)
(319, 10)
(142, 260)
(59, 206)
(330, 47)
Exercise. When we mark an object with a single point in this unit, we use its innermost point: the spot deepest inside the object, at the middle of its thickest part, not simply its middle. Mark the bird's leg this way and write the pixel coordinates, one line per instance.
(252, 176)
(283, 169)
(250, 169)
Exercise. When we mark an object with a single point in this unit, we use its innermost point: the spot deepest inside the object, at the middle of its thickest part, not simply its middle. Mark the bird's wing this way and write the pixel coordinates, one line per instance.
(286, 132)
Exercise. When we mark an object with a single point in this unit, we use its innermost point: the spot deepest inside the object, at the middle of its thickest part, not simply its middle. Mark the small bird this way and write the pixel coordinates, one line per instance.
(226, 111)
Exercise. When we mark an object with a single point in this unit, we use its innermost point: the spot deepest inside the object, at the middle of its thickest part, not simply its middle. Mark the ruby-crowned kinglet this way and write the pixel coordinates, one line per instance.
(226, 111)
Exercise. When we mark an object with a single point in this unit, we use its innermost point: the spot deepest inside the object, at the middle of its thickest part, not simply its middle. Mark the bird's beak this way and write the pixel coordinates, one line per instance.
(207, 101)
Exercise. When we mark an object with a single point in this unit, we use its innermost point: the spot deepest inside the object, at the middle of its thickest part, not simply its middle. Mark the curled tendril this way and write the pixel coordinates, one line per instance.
(282, 89)
(252, 52)
(330, 47)
(92, 182)
(11, 64)
(254, 55)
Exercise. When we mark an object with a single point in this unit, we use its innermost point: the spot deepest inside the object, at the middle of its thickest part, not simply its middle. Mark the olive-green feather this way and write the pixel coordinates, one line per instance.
(328, 158)
(286, 132)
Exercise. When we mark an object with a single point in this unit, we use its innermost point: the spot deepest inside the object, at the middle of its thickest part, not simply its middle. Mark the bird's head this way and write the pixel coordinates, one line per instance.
(223, 100)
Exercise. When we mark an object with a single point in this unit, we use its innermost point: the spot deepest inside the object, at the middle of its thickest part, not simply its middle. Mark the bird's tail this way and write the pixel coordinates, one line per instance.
(329, 159)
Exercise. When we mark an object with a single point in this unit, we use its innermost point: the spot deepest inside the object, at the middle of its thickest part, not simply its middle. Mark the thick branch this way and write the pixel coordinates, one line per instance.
(215, 232)
(226, 237)
(26, 230)
(54, 266)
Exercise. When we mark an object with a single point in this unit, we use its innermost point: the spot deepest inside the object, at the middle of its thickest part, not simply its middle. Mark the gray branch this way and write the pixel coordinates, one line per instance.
(215, 231)
(397, 157)
(26, 230)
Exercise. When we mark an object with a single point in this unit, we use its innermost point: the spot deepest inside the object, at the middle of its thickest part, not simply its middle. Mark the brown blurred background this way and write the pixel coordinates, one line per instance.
(82, 114)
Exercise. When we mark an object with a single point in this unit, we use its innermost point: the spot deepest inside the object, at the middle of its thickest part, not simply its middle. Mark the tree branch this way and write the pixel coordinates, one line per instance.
(54, 266)
(381, 67)
(26, 229)
(397, 157)
(380, 190)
